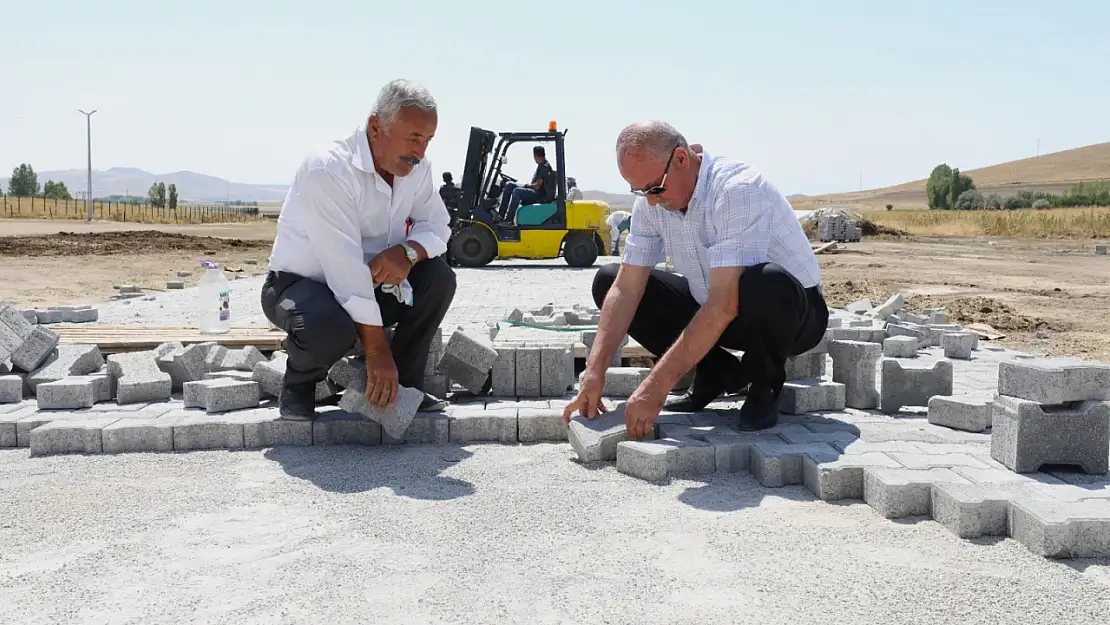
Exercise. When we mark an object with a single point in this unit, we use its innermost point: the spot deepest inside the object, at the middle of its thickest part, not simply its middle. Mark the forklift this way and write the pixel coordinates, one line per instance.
(572, 230)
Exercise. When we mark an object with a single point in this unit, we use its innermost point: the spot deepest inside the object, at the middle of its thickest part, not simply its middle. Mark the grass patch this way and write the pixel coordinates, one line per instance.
(1087, 223)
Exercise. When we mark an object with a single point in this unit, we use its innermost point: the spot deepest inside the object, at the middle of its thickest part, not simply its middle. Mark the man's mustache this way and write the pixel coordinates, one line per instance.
(411, 160)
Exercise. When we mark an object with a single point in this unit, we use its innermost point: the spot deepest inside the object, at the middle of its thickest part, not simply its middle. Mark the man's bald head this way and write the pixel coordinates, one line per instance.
(648, 150)
(652, 139)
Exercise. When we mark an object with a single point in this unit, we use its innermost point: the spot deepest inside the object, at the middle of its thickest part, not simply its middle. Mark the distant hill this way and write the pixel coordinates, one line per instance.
(1051, 173)
(191, 186)
(614, 200)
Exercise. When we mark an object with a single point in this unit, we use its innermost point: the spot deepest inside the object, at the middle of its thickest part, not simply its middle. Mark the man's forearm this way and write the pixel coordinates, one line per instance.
(372, 338)
(693, 344)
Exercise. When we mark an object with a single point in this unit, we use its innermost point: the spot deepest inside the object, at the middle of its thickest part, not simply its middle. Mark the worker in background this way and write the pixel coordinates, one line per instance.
(540, 191)
(573, 192)
(450, 193)
(618, 221)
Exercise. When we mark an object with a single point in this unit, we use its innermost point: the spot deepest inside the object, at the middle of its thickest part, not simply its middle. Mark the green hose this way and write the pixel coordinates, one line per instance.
(549, 328)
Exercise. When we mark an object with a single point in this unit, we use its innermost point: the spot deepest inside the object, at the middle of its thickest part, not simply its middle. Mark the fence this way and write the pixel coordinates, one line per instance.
(50, 208)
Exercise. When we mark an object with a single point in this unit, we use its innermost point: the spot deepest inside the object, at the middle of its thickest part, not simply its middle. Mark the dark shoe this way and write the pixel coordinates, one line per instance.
(297, 402)
(698, 396)
(431, 403)
(760, 410)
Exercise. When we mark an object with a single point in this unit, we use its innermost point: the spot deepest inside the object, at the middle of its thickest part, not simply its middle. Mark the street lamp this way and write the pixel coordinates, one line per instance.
(88, 139)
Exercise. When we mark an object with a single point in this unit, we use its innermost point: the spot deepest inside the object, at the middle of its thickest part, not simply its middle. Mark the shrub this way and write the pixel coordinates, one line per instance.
(890, 207)
(1042, 204)
(1012, 203)
(970, 200)
(994, 202)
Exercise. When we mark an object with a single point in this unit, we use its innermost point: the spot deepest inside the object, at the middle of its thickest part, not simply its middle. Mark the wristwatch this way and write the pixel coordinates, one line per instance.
(411, 253)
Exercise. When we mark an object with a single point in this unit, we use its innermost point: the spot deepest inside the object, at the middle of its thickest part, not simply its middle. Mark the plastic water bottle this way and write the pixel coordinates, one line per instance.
(215, 300)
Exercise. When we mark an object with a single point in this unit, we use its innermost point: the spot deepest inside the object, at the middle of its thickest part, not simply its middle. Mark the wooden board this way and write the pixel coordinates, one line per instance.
(112, 339)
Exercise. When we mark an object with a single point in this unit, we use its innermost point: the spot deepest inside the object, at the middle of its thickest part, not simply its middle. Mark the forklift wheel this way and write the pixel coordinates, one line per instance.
(473, 246)
(579, 250)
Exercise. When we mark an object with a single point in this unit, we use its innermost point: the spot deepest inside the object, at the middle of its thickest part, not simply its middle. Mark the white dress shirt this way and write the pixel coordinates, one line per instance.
(736, 218)
(339, 214)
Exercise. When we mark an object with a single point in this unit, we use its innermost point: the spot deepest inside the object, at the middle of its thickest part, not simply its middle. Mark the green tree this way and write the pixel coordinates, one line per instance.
(172, 196)
(959, 184)
(56, 191)
(157, 195)
(161, 194)
(24, 181)
(936, 189)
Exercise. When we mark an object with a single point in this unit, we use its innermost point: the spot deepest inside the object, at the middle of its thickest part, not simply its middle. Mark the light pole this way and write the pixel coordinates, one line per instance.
(88, 139)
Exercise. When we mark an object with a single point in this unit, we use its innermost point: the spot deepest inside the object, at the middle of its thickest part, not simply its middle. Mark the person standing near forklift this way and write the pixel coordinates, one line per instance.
(449, 192)
(540, 191)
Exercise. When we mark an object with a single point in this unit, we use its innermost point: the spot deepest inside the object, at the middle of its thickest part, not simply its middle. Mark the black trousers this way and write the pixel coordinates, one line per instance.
(320, 332)
(778, 318)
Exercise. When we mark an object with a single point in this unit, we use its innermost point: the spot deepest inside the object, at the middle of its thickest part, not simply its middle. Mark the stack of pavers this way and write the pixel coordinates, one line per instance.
(61, 314)
(837, 228)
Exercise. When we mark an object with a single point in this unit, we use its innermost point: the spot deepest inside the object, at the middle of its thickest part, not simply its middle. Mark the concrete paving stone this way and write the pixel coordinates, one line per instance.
(903, 329)
(900, 347)
(395, 420)
(243, 359)
(657, 460)
(1025, 435)
(838, 478)
(992, 476)
(233, 374)
(339, 427)
(976, 510)
(556, 370)
(540, 425)
(221, 395)
(437, 385)
(139, 435)
(924, 461)
(588, 337)
(1054, 381)
(185, 364)
(891, 306)
(713, 416)
(731, 448)
(69, 437)
(68, 359)
(270, 376)
(31, 317)
(36, 348)
(34, 419)
(798, 434)
(427, 428)
(198, 431)
(913, 385)
(138, 378)
(596, 440)
(264, 428)
(899, 493)
(504, 372)
(858, 447)
(854, 366)
(897, 431)
(813, 395)
(478, 424)
(776, 465)
(968, 413)
(468, 358)
(806, 366)
(14, 330)
(11, 389)
(958, 344)
(529, 361)
(1062, 529)
(498, 402)
(858, 335)
(8, 424)
(623, 381)
(69, 393)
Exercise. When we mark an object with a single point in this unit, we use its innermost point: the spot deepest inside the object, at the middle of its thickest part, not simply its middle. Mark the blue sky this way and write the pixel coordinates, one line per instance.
(812, 92)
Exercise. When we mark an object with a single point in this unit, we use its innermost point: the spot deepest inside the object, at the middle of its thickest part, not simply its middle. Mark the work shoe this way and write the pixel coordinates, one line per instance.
(760, 410)
(700, 395)
(431, 403)
(297, 402)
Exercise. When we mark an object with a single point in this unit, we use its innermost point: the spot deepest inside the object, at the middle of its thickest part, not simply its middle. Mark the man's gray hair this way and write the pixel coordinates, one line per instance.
(655, 138)
(399, 94)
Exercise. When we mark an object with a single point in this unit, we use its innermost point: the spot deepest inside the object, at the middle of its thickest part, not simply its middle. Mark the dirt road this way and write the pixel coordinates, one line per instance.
(1019, 286)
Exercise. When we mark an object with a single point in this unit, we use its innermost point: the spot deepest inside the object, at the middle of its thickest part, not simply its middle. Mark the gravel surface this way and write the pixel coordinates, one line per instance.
(484, 534)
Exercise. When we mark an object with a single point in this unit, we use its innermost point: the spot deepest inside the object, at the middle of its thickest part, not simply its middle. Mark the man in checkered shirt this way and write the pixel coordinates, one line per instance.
(749, 281)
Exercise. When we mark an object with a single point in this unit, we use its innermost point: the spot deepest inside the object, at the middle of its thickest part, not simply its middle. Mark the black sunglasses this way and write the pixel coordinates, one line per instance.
(662, 186)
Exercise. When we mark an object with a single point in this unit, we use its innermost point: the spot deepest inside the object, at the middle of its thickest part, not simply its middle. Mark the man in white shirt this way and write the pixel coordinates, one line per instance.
(749, 281)
(618, 222)
(346, 263)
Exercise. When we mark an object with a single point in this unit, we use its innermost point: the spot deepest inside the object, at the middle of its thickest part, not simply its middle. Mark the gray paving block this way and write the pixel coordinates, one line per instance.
(394, 420)
(184, 364)
(504, 372)
(243, 359)
(596, 439)
(967, 413)
(588, 338)
(214, 357)
(474, 424)
(854, 366)
(731, 448)
(1026, 435)
(427, 428)
(264, 428)
(814, 395)
(11, 389)
(891, 306)
(776, 465)
(339, 427)
(437, 385)
(138, 378)
(196, 431)
(231, 374)
(69, 393)
(900, 493)
(975, 510)
(270, 376)
(808, 366)
(835, 479)
(31, 317)
(913, 385)
(1056, 529)
(221, 394)
(900, 347)
(797, 433)
(623, 381)
(343, 372)
(958, 345)
(68, 359)
(69, 437)
(139, 435)
(528, 372)
(468, 358)
(1054, 381)
(657, 460)
(904, 329)
(556, 370)
(922, 461)
(36, 348)
(540, 425)
(14, 330)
